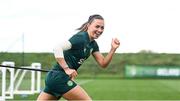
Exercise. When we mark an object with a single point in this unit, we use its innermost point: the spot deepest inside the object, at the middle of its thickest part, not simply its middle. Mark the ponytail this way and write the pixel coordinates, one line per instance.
(90, 20)
(83, 27)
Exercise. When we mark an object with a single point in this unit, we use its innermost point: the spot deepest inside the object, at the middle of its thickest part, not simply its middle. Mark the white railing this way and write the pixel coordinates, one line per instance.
(16, 78)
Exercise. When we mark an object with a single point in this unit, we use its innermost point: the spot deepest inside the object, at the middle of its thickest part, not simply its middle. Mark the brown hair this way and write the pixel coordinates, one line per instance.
(90, 20)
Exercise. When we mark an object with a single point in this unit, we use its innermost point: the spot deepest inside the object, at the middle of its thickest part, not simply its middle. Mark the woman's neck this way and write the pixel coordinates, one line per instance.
(90, 38)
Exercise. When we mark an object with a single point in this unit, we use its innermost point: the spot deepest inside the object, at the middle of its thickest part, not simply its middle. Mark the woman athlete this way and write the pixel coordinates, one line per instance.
(70, 55)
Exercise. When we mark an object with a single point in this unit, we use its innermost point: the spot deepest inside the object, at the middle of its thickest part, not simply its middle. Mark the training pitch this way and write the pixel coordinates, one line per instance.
(126, 89)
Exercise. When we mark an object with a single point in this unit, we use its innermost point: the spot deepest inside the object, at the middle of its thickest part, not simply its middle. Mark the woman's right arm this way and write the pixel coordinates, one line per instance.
(58, 53)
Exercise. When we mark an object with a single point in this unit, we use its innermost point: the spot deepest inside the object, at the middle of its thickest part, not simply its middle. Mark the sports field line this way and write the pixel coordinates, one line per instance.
(82, 82)
(171, 85)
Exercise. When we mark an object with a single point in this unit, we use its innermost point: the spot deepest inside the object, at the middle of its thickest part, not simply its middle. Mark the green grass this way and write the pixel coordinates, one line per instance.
(134, 89)
(126, 89)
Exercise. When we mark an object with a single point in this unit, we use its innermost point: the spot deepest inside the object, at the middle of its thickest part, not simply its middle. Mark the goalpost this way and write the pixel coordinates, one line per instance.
(11, 80)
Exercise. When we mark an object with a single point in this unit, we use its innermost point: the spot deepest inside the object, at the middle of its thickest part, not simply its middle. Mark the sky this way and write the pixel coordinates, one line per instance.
(39, 25)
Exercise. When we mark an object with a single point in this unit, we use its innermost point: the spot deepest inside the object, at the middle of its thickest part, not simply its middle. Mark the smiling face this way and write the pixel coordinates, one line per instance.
(95, 28)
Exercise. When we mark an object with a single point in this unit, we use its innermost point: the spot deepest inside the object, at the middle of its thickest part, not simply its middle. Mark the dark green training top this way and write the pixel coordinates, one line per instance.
(81, 49)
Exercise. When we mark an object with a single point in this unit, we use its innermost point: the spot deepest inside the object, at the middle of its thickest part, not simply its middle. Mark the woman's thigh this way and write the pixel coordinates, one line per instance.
(43, 96)
(77, 93)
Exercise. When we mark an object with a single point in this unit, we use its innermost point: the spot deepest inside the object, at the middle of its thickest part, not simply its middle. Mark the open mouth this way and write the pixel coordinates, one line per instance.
(98, 34)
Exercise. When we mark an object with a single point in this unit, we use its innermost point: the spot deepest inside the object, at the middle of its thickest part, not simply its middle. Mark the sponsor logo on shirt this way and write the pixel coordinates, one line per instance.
(81, 61)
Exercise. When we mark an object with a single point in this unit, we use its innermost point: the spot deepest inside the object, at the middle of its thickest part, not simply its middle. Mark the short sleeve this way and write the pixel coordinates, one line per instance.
(95, 47)
(77, 42)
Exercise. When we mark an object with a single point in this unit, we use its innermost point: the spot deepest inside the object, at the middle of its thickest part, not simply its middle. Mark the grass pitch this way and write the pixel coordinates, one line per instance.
(126, 89)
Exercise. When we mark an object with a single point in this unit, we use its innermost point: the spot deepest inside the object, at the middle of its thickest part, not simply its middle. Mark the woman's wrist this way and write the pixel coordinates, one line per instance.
(113, 49)
(65, 67)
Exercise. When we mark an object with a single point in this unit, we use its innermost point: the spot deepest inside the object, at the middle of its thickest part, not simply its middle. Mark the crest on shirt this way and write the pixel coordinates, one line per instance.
(85, 50)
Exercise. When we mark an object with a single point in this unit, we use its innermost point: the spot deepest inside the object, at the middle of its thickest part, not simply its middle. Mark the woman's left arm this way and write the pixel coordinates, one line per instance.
(104, 61)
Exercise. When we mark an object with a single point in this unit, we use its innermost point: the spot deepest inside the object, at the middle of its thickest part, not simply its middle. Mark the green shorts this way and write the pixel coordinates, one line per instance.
(57, 83)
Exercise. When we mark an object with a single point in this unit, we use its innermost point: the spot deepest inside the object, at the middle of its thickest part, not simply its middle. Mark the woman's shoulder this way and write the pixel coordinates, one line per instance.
(94, 42)
(80, 35)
